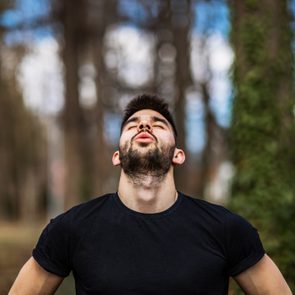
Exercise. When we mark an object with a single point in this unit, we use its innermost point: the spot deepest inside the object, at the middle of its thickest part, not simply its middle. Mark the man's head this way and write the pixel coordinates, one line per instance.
(149, 102)
(148, 139)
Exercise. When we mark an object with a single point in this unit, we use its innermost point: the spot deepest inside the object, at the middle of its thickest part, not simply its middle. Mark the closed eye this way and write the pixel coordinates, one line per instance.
(131, 126)
(159, 126)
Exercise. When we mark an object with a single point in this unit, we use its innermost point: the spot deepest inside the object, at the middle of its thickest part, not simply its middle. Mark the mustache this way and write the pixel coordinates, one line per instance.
(146, 131)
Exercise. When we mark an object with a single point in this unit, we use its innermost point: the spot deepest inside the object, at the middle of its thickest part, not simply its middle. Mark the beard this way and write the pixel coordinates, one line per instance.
(155, 162)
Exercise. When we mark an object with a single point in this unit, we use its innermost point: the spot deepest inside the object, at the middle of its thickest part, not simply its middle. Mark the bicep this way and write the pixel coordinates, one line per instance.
(264, 278)
(33, 280)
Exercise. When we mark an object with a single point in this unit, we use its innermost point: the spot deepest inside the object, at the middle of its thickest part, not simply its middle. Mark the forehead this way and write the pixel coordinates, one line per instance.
(147, 114)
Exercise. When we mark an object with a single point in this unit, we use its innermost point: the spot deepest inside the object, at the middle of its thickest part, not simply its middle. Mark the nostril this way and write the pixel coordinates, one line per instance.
(144, 126)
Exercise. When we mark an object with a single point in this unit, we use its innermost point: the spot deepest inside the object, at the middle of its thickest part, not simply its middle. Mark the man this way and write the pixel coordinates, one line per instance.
(148, 238)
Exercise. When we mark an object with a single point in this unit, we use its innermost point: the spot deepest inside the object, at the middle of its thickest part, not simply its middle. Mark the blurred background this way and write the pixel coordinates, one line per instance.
(68, 69)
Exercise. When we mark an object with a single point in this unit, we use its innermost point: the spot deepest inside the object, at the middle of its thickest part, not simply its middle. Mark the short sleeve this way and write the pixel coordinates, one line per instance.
(244, 247)
(52, 251)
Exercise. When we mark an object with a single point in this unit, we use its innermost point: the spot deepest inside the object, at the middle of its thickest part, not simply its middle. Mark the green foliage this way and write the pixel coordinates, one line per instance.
(263, 129)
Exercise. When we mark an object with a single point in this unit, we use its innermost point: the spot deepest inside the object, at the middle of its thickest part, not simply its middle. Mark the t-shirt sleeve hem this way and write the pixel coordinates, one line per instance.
(246, 263)
(48, 266)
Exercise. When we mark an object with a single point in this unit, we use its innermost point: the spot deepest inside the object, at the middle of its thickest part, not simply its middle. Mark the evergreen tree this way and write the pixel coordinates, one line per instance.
(262, 131)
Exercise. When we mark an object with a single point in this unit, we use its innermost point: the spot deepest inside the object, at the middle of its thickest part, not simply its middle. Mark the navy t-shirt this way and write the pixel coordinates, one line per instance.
(191, 248)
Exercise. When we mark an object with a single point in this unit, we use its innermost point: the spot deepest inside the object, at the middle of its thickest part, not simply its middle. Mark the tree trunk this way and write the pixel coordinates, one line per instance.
(262, 132)
(99, 152)
(73, 120)
(180, 21)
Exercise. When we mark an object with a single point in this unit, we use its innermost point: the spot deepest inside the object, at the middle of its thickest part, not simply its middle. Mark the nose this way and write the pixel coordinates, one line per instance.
(144, 125)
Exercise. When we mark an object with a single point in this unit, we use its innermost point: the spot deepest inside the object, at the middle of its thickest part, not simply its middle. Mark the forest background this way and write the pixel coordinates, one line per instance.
(68, 68)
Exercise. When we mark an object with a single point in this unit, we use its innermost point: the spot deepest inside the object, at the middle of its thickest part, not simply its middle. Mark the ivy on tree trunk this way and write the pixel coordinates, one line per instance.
(262, 130)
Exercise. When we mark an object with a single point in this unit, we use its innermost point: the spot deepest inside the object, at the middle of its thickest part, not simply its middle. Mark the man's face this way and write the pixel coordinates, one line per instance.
(147, 144)
(147, 129)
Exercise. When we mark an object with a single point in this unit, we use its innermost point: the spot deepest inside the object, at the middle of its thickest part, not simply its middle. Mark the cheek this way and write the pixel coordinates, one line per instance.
(122, 144)
(167, 139)
(125, 139)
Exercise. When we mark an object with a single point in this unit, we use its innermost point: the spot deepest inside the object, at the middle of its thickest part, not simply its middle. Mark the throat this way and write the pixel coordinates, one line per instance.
(146, 181)
(145, 196)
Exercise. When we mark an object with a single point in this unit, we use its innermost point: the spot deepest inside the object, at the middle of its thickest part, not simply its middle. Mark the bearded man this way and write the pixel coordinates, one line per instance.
(148, 238)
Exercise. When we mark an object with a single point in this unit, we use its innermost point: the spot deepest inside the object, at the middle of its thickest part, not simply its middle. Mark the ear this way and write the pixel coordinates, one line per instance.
(116, 158)
(179, 157)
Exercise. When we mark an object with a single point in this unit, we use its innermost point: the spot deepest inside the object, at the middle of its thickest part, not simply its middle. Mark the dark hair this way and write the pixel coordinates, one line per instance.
(152, 102)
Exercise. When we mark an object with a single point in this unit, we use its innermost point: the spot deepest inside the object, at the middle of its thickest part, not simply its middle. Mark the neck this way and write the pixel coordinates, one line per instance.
(147, 194)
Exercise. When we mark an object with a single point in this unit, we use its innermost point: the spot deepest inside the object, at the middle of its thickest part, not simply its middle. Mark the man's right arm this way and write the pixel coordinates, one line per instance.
(34, 280)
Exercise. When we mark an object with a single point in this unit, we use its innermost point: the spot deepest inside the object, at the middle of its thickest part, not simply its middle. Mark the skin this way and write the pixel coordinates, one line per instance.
(151, 196)
(264, 278)
(34, 280)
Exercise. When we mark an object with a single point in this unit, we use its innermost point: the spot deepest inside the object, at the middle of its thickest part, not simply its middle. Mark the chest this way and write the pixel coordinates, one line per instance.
(149, 259)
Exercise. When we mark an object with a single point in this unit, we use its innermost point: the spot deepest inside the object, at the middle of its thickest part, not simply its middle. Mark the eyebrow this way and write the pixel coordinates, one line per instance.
(154, 119)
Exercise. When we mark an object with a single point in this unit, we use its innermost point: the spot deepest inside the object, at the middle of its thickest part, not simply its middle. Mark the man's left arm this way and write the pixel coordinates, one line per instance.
(263, 278)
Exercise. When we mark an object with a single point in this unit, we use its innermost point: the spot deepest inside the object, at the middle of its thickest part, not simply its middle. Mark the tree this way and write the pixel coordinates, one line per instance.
(262, 131)
(71, 19)
(22, 149)
(172, 76)
(82, 32)
(180, 22)
(99, 153)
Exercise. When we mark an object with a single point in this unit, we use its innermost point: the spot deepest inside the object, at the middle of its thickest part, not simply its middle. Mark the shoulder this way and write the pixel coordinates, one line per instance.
(217, 215)
(90, 206)
(82, 212)
(238, 239)
(208, 210)
(74, 221)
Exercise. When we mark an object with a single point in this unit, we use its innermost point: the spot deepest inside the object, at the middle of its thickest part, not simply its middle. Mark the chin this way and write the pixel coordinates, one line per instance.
(144, 145)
